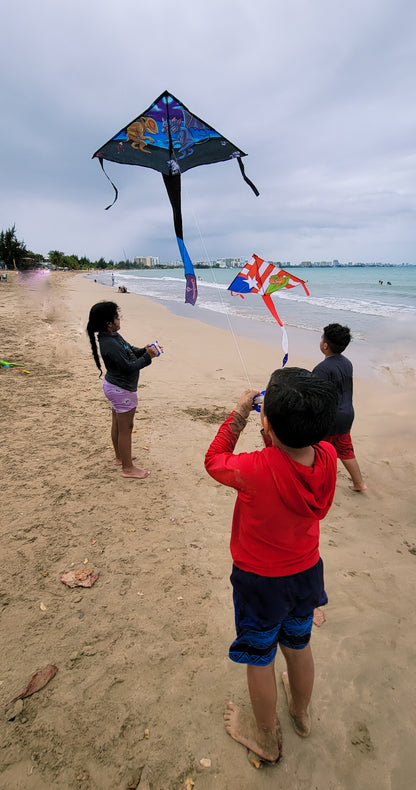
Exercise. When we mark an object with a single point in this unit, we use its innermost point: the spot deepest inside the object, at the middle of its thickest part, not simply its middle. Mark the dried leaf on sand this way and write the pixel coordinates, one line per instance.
(80, 578)
(38, 681)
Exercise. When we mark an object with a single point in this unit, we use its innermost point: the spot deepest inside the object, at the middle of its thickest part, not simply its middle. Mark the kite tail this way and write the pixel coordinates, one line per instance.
(285, 346)
(267, 299)
(285, 342)
(246, 179)
(173, 188)
(113, 185)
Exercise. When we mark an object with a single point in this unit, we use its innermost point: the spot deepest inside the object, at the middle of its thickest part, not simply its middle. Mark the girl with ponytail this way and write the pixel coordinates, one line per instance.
(123, 364)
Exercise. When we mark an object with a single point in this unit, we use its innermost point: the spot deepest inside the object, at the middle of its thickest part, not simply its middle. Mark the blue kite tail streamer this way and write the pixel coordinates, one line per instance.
(285, 346)
(173, 188)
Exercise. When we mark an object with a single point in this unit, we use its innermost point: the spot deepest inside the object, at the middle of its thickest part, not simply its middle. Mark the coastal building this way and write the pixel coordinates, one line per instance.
(318, 264)
(221, 263)
(231, 263)
(147, 260)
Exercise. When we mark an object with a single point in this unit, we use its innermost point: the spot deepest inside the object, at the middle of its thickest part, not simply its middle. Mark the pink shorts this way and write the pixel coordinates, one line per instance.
(343, 445)
(121, 400)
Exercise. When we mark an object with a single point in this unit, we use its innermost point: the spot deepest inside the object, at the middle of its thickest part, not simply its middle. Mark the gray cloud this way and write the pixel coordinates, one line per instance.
(321, 98)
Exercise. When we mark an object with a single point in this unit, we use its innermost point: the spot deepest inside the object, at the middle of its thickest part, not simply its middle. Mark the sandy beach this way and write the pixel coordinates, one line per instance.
(142, 656)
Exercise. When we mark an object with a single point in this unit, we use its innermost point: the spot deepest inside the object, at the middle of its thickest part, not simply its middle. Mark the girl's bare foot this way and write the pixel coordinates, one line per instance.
(361, 487)
(301, 724)
(117, 461)
(133, 471)
(243, 729)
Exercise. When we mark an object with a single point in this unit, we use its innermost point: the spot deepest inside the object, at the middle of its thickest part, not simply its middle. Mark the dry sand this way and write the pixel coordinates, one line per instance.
(143, 673)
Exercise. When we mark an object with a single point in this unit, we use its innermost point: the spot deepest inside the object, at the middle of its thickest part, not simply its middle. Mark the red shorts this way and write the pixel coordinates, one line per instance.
(343, 445)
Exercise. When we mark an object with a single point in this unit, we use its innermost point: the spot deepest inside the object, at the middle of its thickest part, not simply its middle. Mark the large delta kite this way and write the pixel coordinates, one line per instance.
(169, 138)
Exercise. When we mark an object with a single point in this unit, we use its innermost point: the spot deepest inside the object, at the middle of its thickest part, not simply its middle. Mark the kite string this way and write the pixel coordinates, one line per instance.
(223, 305)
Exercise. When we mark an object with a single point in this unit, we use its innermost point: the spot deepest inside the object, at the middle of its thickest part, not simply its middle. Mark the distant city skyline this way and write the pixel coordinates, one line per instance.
(222, 262)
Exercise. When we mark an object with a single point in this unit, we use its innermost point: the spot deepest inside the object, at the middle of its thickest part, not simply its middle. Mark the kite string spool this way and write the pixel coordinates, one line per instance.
(223, 305)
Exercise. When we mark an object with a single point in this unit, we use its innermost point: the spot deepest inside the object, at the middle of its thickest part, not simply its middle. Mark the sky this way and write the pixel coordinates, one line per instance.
(320, 95)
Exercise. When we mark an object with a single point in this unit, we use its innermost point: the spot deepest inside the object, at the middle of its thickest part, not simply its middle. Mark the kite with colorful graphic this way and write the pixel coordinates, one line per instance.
(263, 278)
(169, 138)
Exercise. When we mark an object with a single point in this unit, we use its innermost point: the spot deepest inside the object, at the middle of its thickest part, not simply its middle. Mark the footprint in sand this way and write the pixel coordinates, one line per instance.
(360, 737)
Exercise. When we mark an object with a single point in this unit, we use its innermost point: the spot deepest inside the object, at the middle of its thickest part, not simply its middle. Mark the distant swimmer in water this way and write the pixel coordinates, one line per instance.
(380, 282)
(388, 283)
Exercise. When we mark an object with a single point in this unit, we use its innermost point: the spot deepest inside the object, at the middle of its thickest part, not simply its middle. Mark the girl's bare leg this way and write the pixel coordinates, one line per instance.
(125, 426)
(114, 437)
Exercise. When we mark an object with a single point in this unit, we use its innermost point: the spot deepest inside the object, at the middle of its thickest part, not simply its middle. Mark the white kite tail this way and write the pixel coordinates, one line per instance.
(285, 346)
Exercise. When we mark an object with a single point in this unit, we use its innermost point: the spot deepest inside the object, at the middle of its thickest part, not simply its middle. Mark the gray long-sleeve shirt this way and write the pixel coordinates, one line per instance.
(123, 362)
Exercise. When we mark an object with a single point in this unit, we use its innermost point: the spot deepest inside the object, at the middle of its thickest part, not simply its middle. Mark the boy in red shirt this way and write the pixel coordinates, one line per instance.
(282, 493)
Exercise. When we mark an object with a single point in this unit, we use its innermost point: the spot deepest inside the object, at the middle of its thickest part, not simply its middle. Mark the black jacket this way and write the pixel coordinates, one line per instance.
(123, 362)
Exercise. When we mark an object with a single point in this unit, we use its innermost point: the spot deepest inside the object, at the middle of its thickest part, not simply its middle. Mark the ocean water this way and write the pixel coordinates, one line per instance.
(382, 318)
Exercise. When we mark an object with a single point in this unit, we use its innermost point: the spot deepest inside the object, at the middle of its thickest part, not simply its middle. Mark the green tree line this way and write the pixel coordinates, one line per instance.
(14, 254)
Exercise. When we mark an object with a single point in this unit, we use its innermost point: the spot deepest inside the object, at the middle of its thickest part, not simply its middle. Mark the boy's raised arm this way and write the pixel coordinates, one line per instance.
(220, 462)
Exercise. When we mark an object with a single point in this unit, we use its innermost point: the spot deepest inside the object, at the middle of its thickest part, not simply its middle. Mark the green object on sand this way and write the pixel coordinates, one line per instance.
(5, 364)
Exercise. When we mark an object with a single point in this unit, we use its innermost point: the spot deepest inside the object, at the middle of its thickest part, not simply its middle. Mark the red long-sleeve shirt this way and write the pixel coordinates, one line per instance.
(275, 529)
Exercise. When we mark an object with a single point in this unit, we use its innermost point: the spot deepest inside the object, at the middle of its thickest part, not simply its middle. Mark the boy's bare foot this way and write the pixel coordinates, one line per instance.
(117, 461)
(302, 724)
(135, 472)
(361, 487)
(244, 730)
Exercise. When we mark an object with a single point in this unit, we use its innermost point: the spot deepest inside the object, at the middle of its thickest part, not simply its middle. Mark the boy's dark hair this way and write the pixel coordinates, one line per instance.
(300, 407)
(337, 337)
(101, 314)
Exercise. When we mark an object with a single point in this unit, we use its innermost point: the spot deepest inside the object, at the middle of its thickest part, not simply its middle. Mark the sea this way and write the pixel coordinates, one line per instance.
(378, 303)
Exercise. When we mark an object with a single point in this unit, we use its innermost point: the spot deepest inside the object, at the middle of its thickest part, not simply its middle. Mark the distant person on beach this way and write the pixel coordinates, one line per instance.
(122, 289)
(123, 364)
(338, 369)
(282, 493)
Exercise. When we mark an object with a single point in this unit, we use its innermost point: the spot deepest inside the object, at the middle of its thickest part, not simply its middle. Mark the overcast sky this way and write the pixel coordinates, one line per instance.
(319, 94)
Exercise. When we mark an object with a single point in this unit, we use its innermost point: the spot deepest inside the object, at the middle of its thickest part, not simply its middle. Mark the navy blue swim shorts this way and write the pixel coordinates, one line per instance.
(273, 610)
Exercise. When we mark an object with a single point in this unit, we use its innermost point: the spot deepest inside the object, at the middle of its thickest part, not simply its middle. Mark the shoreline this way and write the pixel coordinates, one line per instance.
(145, 650)
(391, 356)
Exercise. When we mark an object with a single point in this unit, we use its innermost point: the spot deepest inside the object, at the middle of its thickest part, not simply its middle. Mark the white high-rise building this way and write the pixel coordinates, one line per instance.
(148, 260)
